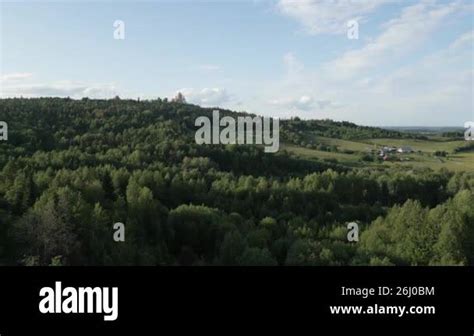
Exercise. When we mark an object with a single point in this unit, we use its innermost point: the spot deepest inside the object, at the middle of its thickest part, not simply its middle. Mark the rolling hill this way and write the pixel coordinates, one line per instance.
(72, 168)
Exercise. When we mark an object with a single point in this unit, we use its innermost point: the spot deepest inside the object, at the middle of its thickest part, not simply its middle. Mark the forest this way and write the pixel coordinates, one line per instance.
(70, 169)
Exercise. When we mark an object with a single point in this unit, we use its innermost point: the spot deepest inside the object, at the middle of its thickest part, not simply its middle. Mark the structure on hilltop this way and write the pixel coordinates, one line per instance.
(179, 98)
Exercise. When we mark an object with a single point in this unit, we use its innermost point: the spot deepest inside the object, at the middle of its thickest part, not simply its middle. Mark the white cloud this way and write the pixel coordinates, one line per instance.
(327, 16)
(302, 103)
(16, 76)
(211, 97)
(391, 80)
(434, 90)
(401, 35)
(463, 40)
(60, 89)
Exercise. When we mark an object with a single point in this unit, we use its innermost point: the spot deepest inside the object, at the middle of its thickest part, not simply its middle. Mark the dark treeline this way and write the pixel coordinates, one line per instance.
(70, 169)
(305, 132)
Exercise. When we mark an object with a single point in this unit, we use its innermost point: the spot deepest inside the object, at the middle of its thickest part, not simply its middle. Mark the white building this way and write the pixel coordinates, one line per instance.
(405, 149)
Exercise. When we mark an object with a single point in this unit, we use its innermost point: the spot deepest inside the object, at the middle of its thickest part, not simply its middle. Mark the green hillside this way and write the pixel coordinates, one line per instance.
(72, 168)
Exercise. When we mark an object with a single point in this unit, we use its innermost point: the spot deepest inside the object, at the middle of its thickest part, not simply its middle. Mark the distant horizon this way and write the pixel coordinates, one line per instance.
(429, 127)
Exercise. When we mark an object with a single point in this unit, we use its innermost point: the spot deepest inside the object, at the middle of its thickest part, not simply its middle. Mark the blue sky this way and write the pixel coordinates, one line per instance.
(411, 65)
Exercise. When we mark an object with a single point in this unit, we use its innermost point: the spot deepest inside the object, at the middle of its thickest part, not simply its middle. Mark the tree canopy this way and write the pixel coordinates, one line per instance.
(72, 168)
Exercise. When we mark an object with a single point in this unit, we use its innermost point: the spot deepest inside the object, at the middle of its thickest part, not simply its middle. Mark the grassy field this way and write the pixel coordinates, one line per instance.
(321, 155)
(422, 157)
(345, 144)
(429, 146)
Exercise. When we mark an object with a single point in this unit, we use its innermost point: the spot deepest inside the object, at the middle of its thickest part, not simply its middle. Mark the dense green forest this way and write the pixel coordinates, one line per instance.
(72, 168)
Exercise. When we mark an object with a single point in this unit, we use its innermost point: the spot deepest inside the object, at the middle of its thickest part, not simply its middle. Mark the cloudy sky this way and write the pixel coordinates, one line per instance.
(412, 63)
